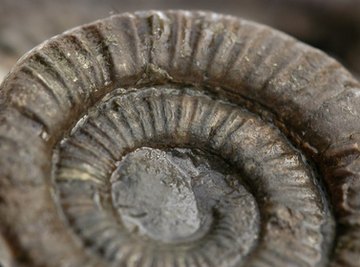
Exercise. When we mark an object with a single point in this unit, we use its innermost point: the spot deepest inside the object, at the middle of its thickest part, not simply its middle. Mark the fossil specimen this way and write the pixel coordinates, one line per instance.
(179, 139)
(332, 25)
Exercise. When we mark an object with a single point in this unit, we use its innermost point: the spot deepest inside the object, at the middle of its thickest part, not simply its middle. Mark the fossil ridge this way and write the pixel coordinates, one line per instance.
(86, 116)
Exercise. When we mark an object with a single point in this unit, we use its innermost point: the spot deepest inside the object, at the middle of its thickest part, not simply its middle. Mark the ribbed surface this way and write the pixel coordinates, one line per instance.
(310, 96)
(161, 117)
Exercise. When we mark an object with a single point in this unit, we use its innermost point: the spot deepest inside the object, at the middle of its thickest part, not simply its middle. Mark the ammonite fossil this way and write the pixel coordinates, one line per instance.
(330, 25)
(179, 139)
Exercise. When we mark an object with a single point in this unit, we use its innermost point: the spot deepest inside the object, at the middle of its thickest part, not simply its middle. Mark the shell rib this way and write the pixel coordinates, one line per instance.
(283, 115)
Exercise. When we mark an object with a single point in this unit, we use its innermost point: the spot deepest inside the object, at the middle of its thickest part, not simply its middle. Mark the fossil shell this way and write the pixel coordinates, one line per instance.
(331, 25)
(179, 139)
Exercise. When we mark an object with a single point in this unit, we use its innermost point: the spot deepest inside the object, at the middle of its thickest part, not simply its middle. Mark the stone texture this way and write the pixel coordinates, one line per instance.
(282, 115)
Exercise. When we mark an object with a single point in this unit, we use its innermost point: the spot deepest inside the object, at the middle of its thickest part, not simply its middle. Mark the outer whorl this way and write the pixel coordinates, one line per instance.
(179, 139)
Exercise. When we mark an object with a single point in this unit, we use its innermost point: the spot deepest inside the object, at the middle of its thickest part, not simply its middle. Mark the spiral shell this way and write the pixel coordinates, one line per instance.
(179, 139)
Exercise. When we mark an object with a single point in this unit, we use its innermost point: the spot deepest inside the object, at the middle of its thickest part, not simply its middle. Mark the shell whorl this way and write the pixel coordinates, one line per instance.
(256, 135)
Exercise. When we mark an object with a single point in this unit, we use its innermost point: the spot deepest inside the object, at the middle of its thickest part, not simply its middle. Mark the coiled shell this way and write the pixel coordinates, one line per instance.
(179, 139)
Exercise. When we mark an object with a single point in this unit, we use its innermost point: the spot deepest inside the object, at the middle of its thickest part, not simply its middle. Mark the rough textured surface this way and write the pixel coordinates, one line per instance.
(81, 114)
(330, 25)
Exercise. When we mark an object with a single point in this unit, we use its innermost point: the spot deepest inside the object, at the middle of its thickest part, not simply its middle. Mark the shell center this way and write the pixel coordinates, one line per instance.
(170, 195)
